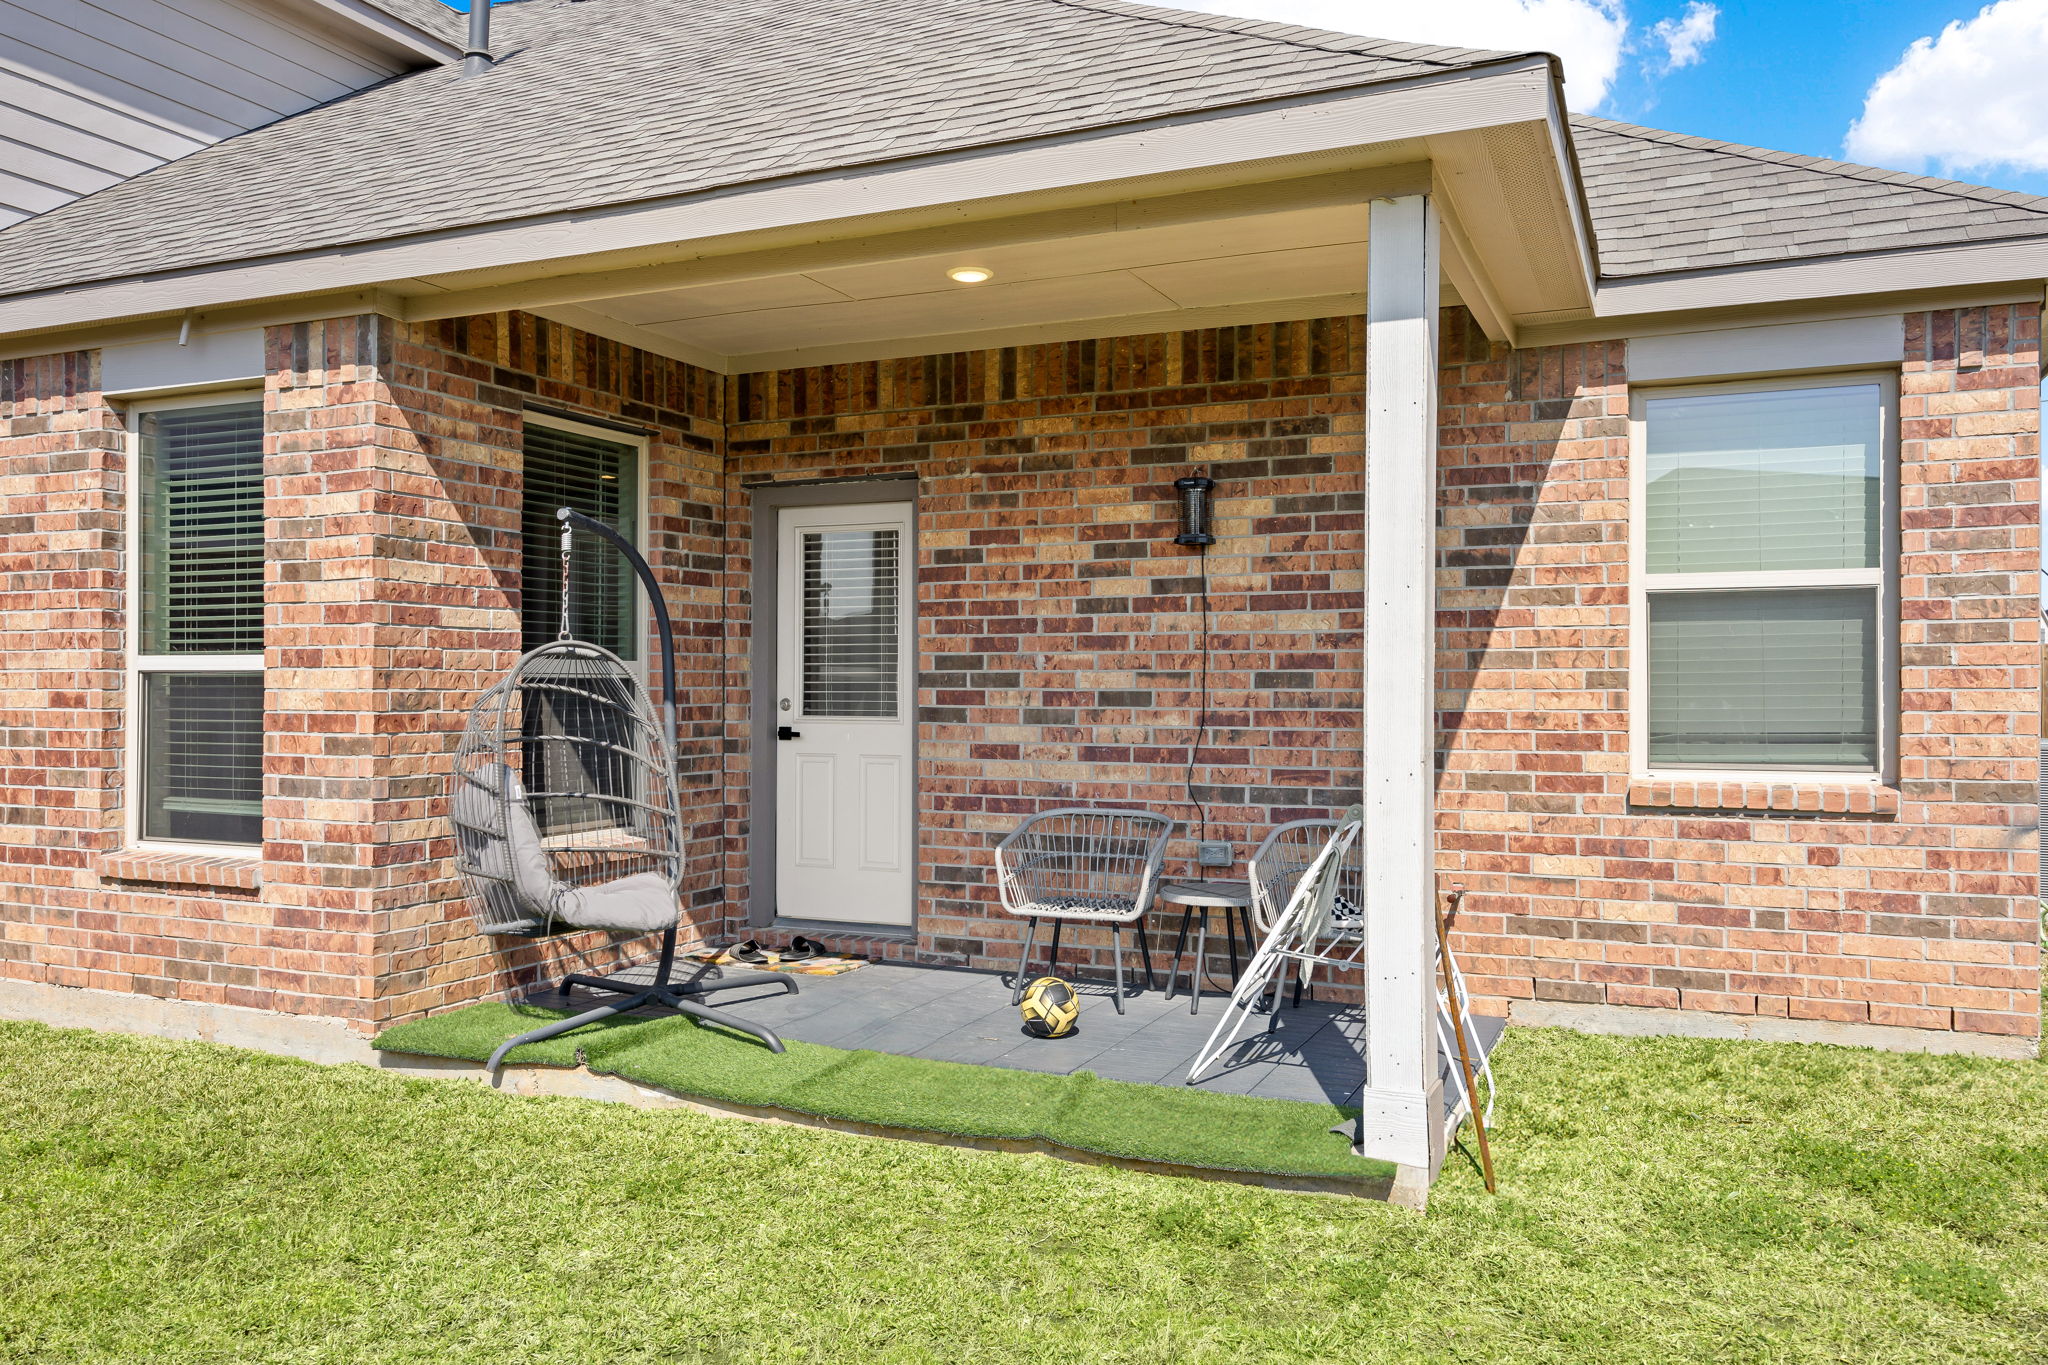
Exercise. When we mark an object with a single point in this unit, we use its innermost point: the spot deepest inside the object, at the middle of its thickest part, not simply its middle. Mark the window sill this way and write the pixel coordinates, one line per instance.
(1766, 796)
(209, 871)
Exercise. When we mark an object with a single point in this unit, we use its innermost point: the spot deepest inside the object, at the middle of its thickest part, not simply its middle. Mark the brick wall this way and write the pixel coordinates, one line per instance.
(75, 909)
(1056, 656)
(61, 469)
(391, 595)
(452, 395)
(1059, 622)
(1909, 906)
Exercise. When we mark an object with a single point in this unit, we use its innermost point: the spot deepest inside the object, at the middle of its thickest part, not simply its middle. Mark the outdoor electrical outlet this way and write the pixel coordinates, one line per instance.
(1214, 853)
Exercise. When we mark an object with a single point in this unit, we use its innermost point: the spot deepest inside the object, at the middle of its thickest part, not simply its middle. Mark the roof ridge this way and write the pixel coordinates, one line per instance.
(1349, 44)
(1850, 170)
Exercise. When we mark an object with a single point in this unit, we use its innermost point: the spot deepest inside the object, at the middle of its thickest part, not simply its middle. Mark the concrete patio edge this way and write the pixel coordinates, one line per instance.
(308, 1037)
(1644, 1022)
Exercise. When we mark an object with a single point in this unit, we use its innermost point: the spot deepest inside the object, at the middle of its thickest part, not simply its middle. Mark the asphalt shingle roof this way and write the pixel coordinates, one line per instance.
(596, 102)
(1664, 202)
(599, 102)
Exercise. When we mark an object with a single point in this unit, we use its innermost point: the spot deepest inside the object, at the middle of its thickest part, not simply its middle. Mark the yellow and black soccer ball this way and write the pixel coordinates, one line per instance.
(1050, 1008)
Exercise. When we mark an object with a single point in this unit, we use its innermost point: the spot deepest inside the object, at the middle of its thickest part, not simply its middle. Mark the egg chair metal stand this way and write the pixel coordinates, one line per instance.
(568, 816)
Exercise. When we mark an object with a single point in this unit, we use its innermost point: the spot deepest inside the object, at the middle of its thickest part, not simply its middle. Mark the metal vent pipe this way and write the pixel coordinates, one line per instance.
(477, 55)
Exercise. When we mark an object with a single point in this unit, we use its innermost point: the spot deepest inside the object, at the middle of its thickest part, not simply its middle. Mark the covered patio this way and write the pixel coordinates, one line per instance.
(1310, 1059)
(890, 833)
(993, 362)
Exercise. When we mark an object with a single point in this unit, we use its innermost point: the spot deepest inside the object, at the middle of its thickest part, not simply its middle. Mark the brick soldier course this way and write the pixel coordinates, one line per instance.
(1056, 654)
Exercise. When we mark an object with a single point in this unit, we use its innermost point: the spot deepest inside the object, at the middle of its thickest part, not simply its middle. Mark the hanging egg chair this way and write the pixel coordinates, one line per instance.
(567, 813)
(564, 804)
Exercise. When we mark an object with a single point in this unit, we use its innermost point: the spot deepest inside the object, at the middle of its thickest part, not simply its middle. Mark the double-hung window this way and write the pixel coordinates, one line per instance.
(597, 472)
(1764, 537)
(196, 623)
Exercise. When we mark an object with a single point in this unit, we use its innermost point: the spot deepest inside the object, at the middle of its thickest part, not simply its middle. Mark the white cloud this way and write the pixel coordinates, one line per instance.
(1684, 37)
(1589, 35)
(1965, 100)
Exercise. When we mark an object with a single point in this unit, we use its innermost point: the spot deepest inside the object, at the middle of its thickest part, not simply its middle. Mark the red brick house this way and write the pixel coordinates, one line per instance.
(1645, 528)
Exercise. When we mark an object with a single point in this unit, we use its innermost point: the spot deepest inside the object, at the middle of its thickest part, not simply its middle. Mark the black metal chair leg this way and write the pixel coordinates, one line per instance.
(1180, 944)
(560, 1026)
(1024, 959)
(696, 986)
(683, 1004)
(1279, 985)
(1116, 939)
(1145, 954)
(1052, 961)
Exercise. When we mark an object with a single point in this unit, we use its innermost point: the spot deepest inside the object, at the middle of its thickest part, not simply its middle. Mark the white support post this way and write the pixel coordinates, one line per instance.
(1403, 1097)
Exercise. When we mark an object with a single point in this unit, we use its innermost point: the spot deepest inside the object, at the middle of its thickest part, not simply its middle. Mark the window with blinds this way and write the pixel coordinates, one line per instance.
(1764, 527)
(202, 530)
(202, 737)
(849, 624)
(198, 594)
(601, 479)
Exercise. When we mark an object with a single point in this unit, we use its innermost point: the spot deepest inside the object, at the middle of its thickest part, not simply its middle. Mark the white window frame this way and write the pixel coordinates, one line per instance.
(140, 665)
(641, 461)
(1884, 578)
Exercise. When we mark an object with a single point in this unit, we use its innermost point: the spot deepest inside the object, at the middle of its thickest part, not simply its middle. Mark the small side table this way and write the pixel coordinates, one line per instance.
(1234, 899)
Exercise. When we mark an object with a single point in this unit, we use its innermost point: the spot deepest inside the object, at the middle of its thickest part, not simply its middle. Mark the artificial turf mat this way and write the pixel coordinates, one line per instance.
(1082, 1111)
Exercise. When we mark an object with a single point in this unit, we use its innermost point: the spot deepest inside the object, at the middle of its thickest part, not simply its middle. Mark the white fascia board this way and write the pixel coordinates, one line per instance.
(1182, 146)
(1946, 267)
(1628, 328)
(1565, 150)
(388, 30)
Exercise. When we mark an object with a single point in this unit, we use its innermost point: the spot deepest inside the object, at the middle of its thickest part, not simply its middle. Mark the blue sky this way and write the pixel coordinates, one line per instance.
(1943, 87)
(1792, 74)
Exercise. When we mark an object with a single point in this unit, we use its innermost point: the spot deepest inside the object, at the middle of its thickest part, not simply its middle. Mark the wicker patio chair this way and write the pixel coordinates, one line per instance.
(1276, 867)
(1300, 937)
(1090, 865)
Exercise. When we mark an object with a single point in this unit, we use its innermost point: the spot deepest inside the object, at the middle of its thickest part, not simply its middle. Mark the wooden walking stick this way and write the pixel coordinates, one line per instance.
(1457, 1008)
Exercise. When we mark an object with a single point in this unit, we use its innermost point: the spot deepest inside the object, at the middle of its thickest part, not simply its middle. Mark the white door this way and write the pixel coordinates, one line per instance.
(845, 699)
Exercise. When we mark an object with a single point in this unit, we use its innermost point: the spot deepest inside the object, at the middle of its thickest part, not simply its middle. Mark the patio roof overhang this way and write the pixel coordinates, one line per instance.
(1235, 215)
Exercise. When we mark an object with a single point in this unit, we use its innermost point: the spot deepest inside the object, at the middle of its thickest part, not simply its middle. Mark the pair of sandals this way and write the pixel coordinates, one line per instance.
(800, 949)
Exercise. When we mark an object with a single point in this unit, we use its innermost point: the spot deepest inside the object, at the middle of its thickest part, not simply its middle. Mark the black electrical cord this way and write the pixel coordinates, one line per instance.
(1195, 747)
(1201, 737)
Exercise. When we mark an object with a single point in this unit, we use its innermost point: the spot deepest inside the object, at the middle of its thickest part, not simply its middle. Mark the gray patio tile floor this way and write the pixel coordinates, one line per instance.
(952, 1014)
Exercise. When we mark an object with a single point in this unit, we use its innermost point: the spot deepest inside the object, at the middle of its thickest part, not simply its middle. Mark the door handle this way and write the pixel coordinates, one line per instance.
(784, 732)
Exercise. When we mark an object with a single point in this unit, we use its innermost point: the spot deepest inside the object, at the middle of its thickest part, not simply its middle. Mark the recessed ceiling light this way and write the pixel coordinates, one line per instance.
(969, 274)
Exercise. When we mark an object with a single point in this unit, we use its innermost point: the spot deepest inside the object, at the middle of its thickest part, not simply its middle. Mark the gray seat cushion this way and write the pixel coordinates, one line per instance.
(642, 902)
(500, 842)
(504, 843)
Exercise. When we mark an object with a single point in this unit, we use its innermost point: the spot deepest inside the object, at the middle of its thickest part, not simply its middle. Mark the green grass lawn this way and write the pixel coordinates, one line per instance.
(1662, 1200)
